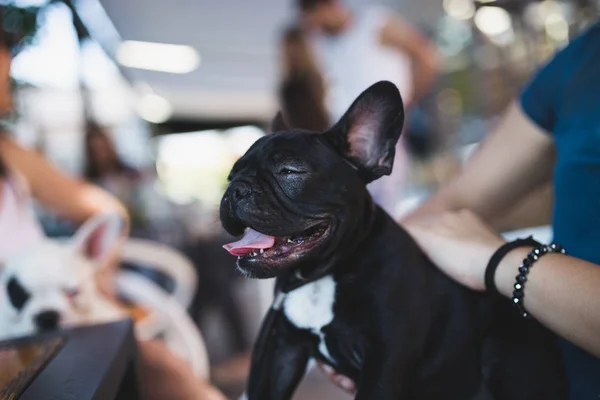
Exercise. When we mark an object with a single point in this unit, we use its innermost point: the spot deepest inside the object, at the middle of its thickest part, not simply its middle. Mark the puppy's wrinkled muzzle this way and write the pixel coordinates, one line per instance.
(238, 191)
(234, 199)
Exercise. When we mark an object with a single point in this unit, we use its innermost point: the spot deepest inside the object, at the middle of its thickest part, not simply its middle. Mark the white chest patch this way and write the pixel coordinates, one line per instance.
(311, 306)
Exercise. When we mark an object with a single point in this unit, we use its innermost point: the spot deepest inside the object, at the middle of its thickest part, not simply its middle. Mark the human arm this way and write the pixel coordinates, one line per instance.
(561, 291)
(72, 199)
(513, 162)
(534, 210)
(401, 35)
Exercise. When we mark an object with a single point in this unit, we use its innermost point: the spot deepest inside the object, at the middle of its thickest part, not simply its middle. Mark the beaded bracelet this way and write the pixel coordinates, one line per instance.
(521, 278)
(502, 251)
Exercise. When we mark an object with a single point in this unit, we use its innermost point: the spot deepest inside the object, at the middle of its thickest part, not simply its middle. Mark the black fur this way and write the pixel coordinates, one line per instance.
(401, 328)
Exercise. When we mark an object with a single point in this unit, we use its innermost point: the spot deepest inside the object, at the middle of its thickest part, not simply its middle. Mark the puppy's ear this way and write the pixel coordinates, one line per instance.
(368, 132)
(279, 124)
(97, 237)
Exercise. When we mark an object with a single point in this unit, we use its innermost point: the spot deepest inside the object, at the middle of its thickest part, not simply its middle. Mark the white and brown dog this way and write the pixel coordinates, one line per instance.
(51, 284)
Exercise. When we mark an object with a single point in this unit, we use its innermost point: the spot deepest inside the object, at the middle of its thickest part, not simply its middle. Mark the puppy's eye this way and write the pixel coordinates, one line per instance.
(72, 293)
(17, 294)
(289, 171)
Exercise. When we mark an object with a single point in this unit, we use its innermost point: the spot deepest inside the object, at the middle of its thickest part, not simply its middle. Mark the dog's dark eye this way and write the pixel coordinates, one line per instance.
(17, 294)
(289, 171)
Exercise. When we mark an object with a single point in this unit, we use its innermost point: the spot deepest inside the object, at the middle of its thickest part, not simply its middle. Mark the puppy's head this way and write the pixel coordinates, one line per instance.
(51, 284)
(297, 196)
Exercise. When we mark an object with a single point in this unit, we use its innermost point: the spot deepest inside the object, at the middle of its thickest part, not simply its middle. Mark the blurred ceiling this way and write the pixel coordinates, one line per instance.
(236, 40)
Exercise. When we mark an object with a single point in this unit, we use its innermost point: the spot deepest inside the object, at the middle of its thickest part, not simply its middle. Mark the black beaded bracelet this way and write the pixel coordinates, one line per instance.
(521, 278)
(498, 255)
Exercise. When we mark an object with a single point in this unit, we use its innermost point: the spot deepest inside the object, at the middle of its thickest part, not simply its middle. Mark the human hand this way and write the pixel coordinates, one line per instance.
(341, 381)
(459, 243)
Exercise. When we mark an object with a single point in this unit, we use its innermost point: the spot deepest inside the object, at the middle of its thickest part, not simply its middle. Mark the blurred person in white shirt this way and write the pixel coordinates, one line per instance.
(353, 50)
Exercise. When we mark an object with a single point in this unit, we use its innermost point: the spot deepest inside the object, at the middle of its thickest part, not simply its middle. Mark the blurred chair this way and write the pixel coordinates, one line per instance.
(162, 280)
(168, 320)
(164, 265)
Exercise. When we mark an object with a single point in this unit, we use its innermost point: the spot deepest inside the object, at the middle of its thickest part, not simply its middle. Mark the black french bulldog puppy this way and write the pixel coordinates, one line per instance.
(353, 289)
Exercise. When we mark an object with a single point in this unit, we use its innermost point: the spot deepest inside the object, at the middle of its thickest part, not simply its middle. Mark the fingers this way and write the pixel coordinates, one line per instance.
(340, 380)
(345, 383)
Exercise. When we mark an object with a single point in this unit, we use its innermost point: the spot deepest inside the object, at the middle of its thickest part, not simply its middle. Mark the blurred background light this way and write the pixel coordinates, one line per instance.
(171, 58)
(557, 27)
(459, 9)
(493, 21)
(453, 36)
(194, 166)
(241, 138)
(98, 70)
(154, 108)
(496, 24)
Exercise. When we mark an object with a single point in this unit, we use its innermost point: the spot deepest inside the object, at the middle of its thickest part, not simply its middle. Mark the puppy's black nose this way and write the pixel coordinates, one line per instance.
(47, 320)
(239, 191)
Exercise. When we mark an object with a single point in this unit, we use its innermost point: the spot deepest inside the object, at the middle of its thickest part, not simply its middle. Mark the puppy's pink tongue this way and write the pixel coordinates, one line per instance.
(251, 241)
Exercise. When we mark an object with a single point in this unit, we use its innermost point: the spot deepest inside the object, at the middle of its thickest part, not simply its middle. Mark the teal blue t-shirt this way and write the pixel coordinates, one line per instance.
(564, 99)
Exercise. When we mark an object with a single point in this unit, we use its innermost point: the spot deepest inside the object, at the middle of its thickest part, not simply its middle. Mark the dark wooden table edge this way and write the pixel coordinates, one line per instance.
(92, 364)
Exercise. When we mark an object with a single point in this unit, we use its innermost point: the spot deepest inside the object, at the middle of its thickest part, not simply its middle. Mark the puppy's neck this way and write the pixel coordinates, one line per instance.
(356, 233)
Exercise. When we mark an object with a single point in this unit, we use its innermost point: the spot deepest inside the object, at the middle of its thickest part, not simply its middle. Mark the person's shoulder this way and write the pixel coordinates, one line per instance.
(542, 97)
(586, 42)
(591, 33)
(581, 50)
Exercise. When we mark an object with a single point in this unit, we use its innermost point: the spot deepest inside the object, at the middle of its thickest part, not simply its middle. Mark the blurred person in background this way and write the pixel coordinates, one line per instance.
(550, 134)
(105, 168)
(355, 50)
(103, 163)
(302, 90)
(26, 175)
(152, 214)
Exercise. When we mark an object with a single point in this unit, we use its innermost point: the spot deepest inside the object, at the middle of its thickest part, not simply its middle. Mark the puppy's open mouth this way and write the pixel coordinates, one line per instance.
(256, 246)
